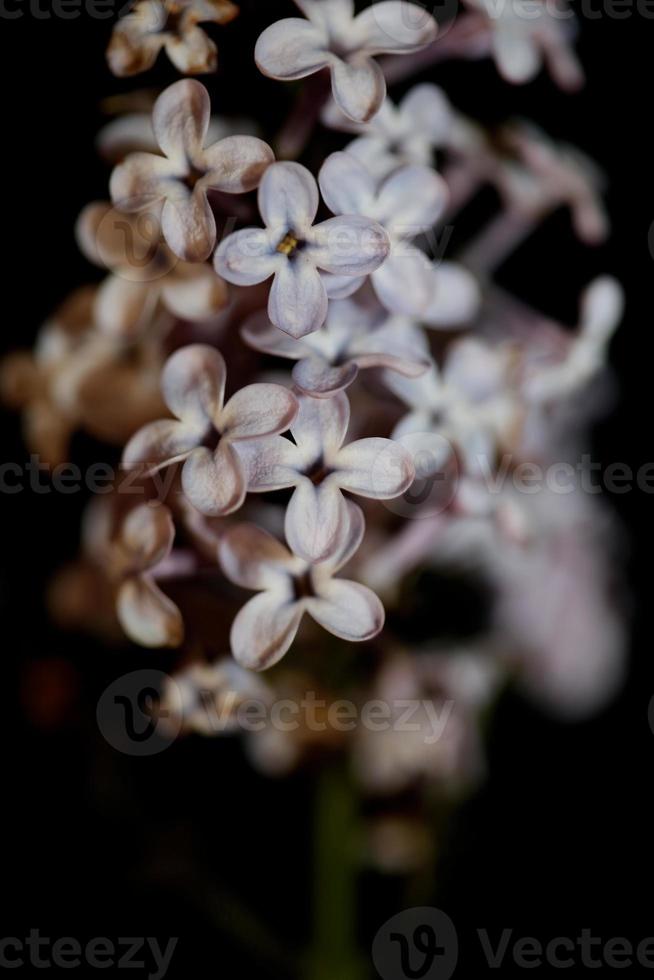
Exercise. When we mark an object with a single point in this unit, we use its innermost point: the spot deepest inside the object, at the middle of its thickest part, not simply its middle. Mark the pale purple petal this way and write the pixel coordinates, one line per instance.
(214, 482)
(288, 198)
(358, 86)
(395, 26)
(193, 384)
(340, 287)
(430, 112)
(517, 56)
(321, 425)
(160, 442)
(291, 48)
(456, 297)
(247, 257)
(236, 164)
(180, 119)
(411, 200)
(142, 180)
(346, 185)
(258, 410)
(315, 376)
(148, 616)
(188, 224)
(260, 334)
(316, 519)
(270, 464)
(349, 245)
(253, 558)
(298, 301)
(348, 546)
(264, 629)
(348, 610)
(405, 282)
(376, 468)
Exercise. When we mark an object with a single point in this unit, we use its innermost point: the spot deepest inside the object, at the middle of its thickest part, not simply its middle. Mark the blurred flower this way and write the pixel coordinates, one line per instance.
(407, 203)
(292, 249)
(144, 272)
(205, 698)
(193, 387)
(525, 36)
(355, 336)
(398, 135)
(174, 186)
(334, 38)
(152, 25)
(266, 626)
(319, 467)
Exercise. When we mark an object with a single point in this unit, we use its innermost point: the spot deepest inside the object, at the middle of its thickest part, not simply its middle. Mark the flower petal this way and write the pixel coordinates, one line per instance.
(349, 245)
(346, 185)
(288, 198)
(270, 464)
(405, 281)
(258, 410)
(395, 26)
(254, 559)
(147, 534)
(517, 57)
(315, 376)
(148, 616)
(123, 307)
(236, 164)
(321, 425)
(193, 384)
(188, 224)
(214, 482)
(358, 86)
(180, 119)
(298, 301)
(430, 112)
(340, 287)
(195, 293)
(291, 48)
(192, 53)
(158, 443)
(376, 468)
(348, 610)
(142, 180)
(264, 629)
(411, 200)
(316, 520)
(456, 297)
(347, 548)
(247, 257)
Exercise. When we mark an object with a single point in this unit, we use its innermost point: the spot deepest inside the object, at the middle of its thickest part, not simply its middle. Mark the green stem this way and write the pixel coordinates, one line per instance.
(335, 951)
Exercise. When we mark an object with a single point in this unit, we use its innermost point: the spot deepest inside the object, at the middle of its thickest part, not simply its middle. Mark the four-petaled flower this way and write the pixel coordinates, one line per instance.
(525, 36)
(319, 467)
(144, 272)
(398, 135)
(334, 38)
(174, 186)
(407, 203)
(266, 626)
(206, 430)
(152, 25)
(292, 249)
(356, 335)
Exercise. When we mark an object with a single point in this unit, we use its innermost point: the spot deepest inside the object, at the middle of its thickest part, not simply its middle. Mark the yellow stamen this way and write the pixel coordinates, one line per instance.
(288, 244)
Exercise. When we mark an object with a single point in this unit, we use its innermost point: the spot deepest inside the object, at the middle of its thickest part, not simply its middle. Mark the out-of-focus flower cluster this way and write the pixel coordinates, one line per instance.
(319, 406)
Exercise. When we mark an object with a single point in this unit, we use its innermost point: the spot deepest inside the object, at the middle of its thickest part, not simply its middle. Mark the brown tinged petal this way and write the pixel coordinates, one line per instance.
(148, 616)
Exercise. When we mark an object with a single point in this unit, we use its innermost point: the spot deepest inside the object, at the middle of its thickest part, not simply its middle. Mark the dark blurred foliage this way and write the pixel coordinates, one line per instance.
(190, 843)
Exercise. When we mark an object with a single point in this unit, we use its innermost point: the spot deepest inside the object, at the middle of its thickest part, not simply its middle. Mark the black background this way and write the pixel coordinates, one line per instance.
(560, 837)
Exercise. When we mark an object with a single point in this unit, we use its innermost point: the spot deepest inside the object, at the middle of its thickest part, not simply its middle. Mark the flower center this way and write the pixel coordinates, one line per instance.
(318, 472)
(303, 586)
(288, 245)
(193, 175)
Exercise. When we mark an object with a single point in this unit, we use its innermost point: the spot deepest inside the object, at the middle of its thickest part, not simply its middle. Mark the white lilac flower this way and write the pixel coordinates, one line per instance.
(356, 335)
(527, 36)
(398, 134)
(172, 25)
(468, 403)
(406, 204)
(320, 467)
(173, 187)
(205, 430)
(144, 272)
(293, 250)
(266, 626)
(332, 37)
(602, 306)
(206, 698)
